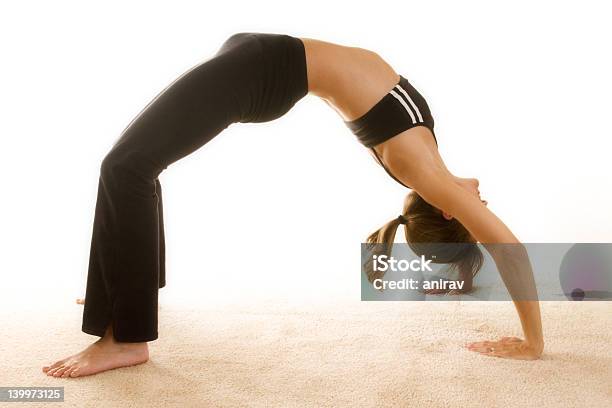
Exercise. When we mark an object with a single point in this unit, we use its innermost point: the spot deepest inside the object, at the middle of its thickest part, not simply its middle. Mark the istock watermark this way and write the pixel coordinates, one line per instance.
(460, 271)
(383, 263)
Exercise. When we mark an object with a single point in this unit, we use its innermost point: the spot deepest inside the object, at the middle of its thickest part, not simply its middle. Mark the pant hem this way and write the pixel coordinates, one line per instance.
(102, 332)
(93, 331)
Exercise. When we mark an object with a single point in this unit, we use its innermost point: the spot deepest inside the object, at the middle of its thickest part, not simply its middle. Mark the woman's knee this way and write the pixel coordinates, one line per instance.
(121, 162)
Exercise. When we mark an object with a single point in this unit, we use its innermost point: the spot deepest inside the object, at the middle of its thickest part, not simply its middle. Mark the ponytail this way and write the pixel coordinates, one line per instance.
(380, 242)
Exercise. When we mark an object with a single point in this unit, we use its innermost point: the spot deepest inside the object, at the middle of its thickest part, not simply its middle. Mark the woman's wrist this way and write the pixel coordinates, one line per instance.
(536, 345)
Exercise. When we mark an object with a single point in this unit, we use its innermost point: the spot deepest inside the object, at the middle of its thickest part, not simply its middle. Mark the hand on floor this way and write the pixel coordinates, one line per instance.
(507, 347)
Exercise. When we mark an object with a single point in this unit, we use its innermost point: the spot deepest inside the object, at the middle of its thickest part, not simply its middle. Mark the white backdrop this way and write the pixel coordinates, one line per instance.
(520, 93)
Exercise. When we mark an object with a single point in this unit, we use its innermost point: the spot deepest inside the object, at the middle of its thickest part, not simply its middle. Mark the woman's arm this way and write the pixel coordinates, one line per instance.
(438, 188)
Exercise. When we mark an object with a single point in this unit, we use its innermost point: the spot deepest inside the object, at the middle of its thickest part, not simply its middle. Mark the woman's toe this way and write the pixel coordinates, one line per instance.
(54, 365)
(59, 371)
(67, 372)
(50, 372)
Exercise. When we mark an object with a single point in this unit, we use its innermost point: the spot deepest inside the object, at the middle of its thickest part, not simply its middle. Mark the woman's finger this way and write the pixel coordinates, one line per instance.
(477, 344)
(482, 347)
(492, 346)
(502, 353)
(499, 350)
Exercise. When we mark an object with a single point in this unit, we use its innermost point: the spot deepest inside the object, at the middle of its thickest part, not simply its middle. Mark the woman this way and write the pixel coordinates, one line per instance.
(258, 77)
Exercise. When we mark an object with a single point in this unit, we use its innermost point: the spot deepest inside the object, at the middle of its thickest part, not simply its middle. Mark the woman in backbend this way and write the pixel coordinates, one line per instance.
(258, 77)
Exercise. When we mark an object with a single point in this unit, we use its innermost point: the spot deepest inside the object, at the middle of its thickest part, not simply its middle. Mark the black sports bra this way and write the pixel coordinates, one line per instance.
(402, 108)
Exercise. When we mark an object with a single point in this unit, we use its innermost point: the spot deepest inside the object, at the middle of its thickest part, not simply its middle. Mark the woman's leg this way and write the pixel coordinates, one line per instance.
(127, 253)
(252, 78)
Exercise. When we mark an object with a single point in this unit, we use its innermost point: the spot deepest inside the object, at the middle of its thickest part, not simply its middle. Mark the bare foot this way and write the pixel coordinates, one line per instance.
(80, 301)
(105, 354)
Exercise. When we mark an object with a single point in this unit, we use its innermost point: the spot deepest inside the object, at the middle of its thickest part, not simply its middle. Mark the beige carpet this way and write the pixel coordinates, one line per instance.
(370, 354)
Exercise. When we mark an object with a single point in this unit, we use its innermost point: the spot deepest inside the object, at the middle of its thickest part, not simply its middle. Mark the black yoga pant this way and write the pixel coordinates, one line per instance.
(254, 77)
